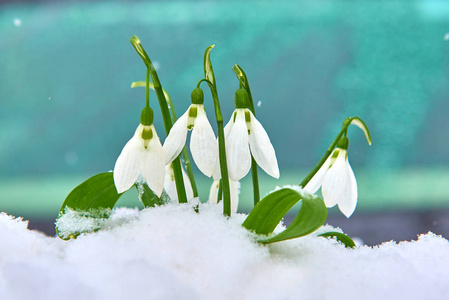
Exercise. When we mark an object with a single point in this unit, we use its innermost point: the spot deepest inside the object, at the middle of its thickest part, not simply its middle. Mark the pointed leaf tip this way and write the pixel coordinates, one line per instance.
(208, 70)
(134, 40)
(359, 123)
(341, 237)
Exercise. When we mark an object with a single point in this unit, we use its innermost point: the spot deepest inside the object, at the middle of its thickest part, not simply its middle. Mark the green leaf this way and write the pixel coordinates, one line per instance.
(269, 211)
(148, 198)
(359, 123)
(311, 216)
(208, 71)
(95, 194)
(341, 237)
(239, 72)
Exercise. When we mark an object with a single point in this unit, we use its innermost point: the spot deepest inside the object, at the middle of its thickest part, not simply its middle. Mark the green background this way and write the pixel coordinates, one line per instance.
(67, 109)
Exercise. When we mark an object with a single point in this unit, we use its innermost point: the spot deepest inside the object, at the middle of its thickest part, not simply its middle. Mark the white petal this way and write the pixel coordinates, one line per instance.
(170, 184)
(176, 139)
(228, 126)
(261, 148)
(216, 175)
(335, 183)
(187, 184)
(153, 164)
(203, 144)
(315, 183)
(213, 193)
(348, 204)
(234, 187)
(127, 166)
(237, 148)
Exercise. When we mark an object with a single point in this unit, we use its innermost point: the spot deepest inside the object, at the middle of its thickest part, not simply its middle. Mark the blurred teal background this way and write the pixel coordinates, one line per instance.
(67, 109)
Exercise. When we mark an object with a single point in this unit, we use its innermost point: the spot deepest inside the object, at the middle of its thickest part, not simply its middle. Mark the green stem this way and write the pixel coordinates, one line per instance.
(185, 153)
(221, 149)
(147, 85)
(255, 177)
(180, 189)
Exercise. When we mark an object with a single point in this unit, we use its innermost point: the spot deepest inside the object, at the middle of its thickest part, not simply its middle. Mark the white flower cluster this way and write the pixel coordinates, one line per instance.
(145, 155)
(245, 138)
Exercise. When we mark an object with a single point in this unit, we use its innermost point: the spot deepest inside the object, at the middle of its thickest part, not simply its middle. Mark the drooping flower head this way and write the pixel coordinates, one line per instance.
(244, 133)
(203, 144)
(143, 154)
(337, 180)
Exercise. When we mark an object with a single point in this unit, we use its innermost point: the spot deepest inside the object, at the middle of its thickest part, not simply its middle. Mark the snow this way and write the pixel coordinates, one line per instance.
(172, 252)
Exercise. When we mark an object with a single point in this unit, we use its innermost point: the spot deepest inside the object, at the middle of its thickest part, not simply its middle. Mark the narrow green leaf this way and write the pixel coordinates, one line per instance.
(359, 123)
(341, 237)
(208, 71)
(312, 216)
(96, 193)
(269, 211)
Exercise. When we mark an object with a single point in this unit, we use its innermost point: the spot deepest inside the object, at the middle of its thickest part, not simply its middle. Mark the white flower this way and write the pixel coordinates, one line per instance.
(143, 154)
(170, 185)
(337, 182)
(242, 133)
(203, 144)
(234, 187)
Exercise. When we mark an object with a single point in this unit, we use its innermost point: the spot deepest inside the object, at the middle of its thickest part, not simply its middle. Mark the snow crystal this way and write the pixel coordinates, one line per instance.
(304, 193)
(179, 252)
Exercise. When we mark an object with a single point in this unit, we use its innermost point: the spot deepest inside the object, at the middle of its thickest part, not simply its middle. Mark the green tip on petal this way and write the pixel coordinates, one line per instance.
(197, 96)
(147, 134)
(241, 99)
(146, 117)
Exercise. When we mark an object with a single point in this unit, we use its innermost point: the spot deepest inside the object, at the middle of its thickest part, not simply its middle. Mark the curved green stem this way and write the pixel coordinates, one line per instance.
(348, 121)
(165, 115)
(221, 150)
(185, 153)
(244, 81)
(147, 85)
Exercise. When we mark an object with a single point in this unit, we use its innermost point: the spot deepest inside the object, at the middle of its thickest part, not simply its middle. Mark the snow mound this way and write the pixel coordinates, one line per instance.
(173, 252)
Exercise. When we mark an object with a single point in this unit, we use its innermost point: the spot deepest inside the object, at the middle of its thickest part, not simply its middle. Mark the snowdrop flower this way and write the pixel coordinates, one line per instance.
(242, 133)
(234, 187)
(337, 181)
(143, 154)
(170, 185)
(203, 144)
